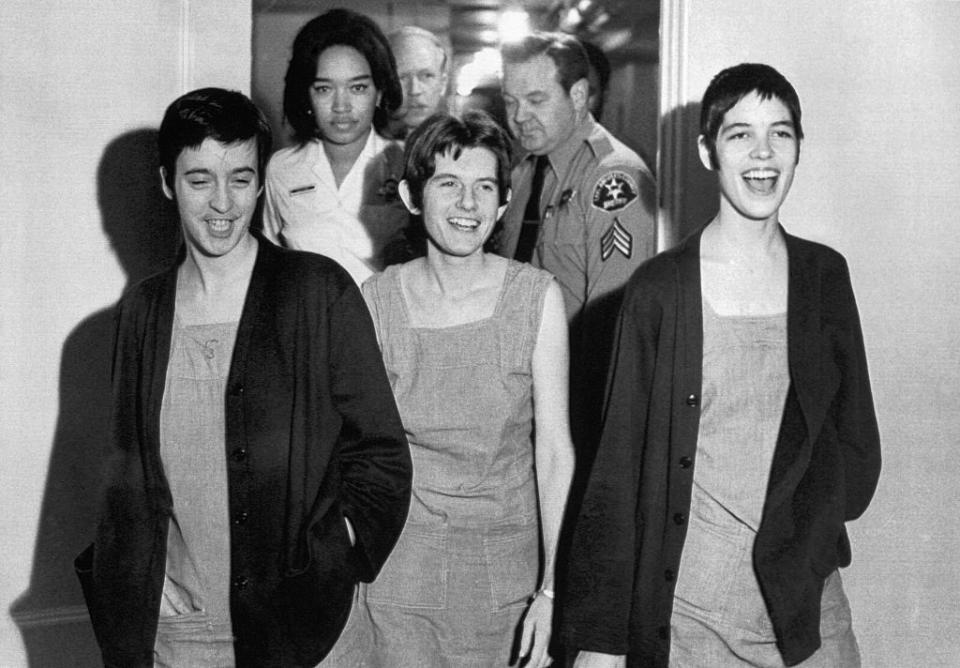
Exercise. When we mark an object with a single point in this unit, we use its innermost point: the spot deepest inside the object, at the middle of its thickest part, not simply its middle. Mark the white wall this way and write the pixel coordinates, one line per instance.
(879, 179)
(82, 88)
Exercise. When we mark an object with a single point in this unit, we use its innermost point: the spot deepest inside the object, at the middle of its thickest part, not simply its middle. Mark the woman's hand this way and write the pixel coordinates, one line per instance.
(600, 660)
(537, 626)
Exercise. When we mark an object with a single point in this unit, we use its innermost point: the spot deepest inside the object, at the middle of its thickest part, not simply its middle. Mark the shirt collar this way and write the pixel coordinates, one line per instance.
(562, 157)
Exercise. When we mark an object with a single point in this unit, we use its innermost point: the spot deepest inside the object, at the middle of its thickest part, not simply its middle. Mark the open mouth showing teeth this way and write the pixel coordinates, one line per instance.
(219, 224)
(464, 223)
(761, 180)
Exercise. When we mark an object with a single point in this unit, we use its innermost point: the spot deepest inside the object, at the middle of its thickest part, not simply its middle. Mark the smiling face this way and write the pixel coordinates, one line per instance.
(420, 68)
(756, 156)
(541, 114)
(216, 188)
(460, 202)
(343, 96)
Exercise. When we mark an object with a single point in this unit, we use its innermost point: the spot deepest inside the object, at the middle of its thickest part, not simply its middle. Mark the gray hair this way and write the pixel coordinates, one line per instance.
(407, 32)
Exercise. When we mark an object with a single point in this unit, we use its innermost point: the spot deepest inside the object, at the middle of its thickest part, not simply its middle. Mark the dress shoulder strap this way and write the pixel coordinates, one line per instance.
(520, 308)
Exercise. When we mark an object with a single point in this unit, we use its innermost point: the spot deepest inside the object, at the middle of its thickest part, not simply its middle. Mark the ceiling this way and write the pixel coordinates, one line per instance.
(625, 29)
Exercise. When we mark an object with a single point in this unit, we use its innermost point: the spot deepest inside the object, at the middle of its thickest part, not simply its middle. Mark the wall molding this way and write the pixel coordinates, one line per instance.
(186, 51)
(673, 108)
(46, 617)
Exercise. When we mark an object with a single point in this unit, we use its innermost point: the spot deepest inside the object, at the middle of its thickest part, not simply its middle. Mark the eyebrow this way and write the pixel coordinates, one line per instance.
(362, 77)
(203, 171)
(447, 175)
(741, 126)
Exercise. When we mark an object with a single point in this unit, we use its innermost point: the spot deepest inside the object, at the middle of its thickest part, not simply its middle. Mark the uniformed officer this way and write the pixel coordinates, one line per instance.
(583, 206)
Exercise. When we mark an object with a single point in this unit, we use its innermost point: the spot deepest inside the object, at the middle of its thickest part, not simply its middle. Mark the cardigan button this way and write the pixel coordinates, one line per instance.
(663, 632)
(236, 391)
(679, 518)
(693, 400)
(240, 454)
(668, 575)
(241, 518)
(686, 462)
(240, 582)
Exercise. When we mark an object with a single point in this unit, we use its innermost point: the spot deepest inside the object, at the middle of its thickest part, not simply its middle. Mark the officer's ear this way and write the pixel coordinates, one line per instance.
(403, 188)
(506, 201)
(580, 94)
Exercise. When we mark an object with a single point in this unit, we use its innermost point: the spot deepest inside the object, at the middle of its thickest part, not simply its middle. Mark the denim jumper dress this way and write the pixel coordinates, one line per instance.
(719, 615)
(192, 446)
(455, 587)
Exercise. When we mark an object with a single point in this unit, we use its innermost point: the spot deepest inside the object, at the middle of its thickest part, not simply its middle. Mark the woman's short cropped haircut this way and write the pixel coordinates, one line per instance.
(338, 27)
(566, 52)
(225, 116)
(733, 84)
(442, 134)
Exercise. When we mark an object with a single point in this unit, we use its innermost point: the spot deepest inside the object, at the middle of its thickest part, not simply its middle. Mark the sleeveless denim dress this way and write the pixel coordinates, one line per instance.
(455, 587)
(719, 615)
(192, 447)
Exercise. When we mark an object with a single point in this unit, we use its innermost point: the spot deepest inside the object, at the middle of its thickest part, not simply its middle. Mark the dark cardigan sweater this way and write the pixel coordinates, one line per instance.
(313, 435)
(632, 523)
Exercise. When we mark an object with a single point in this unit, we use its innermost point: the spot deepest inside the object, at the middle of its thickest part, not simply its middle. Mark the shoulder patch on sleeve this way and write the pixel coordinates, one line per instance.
(614, 191)
(616, 238)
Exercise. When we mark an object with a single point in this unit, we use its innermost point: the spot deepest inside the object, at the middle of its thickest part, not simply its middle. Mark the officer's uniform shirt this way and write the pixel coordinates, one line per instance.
(598, 207)
(599, 215)
(304, 209)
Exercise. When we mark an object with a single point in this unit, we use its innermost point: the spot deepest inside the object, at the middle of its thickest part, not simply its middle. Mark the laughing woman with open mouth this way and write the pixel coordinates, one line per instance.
(739, 432)
(476, 351)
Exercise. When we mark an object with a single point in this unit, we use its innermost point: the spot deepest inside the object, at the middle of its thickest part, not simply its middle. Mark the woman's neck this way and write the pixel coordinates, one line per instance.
(453, 276)
(734, 235)
(342, 157)
(744, 267)
(443, 290)
(210, 274)
(213, 289)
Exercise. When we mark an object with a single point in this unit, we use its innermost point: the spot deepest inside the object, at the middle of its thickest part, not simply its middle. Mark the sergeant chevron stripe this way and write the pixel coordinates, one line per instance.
(616, 238)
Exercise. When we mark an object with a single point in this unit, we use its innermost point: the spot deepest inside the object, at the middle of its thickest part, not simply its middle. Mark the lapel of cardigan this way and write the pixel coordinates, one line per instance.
(155, 356)
(256, 292)
(803, 333)
(690, 305)
(688, 344)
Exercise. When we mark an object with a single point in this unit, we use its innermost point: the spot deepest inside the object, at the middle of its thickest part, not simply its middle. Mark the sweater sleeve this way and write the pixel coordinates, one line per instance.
(855, 417)
(372, 450)
(609, 527)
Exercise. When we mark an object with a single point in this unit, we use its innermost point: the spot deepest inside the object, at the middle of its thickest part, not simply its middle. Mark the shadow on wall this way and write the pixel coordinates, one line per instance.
(689, 191)
(144, 233)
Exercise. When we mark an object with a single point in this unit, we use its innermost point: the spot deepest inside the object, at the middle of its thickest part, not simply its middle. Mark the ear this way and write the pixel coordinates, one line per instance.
(404, 189)
(164, 186)
(580, 94)
(704, 152)
(503, 208)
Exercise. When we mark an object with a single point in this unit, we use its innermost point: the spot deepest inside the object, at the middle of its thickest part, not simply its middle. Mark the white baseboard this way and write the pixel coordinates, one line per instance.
(31, 619)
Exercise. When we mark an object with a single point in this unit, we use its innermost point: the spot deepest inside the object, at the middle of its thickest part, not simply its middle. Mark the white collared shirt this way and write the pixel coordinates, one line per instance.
(305, 210)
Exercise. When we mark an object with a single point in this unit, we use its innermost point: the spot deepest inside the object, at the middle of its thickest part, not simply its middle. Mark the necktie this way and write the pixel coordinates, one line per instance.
(531, 214)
